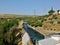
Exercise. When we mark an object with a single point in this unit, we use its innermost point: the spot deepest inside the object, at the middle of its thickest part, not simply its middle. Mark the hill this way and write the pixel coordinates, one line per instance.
(11, 16)
(52, 23)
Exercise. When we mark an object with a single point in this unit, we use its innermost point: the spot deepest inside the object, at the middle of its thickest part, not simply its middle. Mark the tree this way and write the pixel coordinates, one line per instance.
(51, 11)
(58, 12)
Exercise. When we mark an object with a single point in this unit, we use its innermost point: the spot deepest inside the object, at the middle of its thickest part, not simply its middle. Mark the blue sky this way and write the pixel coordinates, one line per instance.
(28, 6)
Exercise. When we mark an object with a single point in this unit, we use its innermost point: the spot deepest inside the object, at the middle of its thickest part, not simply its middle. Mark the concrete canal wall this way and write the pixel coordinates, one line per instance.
(26, 39)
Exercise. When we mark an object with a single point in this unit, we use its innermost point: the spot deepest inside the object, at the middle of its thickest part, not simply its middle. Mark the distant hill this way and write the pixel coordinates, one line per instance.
(14, 16)
(10, 16)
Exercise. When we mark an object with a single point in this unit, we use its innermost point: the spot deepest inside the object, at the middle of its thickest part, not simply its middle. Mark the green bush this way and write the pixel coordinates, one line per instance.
(5, 29)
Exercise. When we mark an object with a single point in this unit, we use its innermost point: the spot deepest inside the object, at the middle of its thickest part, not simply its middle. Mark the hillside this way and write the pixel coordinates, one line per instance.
(52, 23)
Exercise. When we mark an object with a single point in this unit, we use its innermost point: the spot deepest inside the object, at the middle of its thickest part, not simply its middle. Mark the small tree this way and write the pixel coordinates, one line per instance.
(51, 11)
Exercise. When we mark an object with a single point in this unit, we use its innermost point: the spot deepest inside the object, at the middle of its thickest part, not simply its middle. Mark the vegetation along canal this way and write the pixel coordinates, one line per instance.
(34, 35)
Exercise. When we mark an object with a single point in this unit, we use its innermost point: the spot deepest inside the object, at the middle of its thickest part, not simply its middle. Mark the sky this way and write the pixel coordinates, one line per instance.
(28, 7)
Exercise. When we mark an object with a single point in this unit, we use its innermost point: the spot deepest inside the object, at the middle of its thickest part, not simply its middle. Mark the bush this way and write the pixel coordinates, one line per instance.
(5, 30)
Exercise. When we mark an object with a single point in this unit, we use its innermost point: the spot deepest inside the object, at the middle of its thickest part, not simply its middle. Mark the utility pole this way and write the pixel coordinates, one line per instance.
(35, 13)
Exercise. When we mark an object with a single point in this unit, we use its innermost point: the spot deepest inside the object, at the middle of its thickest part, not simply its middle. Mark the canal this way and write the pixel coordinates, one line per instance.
(34, 35)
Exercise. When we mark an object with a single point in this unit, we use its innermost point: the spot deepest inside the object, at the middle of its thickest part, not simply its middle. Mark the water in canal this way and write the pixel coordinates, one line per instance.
(34, 35)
